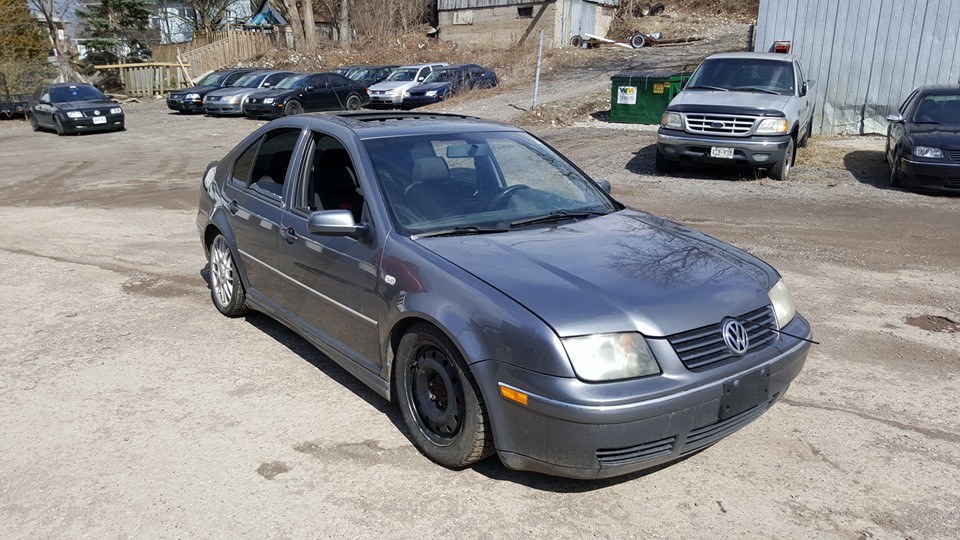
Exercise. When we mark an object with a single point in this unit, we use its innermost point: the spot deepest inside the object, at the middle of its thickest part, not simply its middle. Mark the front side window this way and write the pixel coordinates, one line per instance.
(441, 75)
(269, 170)
(746, 75)
(330, 179)
(489, 179)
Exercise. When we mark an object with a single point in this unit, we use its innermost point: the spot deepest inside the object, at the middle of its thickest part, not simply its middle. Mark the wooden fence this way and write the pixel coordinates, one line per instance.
(168, 52)
(148, 80)
(218, 49)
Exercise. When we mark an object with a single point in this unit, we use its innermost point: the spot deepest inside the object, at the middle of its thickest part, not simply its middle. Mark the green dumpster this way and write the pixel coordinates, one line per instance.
(640, 97)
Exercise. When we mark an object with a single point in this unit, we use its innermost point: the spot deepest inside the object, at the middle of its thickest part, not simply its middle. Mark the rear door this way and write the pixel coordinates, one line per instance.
(254, 194)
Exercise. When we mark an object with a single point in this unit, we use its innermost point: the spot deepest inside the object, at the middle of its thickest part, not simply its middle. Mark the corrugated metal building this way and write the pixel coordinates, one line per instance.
(505, 23)
(865, 55)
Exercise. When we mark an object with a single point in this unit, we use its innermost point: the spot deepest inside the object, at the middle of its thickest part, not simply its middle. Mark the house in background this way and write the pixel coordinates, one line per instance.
(175, 20)
(505, 23)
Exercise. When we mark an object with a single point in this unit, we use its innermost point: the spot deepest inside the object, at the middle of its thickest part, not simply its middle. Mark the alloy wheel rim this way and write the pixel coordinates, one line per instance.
(221, 271)
(437, 395)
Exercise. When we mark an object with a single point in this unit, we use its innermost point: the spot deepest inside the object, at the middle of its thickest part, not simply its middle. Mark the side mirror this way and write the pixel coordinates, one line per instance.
(420, 79)
(337, 223)
(42, 102)
(310, 88)
(803, 89)
(267, 85)
(604, 185)
(895, 118)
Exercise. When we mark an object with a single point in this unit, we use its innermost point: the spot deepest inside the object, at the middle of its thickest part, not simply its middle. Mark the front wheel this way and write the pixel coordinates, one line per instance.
(59, 127)
(895, 173)
(354, 103)
(781, 171)
(226, 289)
(440, 404)
(33, 123)
(292, 108)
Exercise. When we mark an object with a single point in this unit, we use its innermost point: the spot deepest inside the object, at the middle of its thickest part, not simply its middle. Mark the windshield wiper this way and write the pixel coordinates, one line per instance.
(757, 89)
(461, 231)
(707, 87)
(556, 215)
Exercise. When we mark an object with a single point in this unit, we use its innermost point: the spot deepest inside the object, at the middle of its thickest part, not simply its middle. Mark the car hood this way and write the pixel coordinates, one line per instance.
(390, 85)
(274, 92)
(628, 271)
(431, 86)
(935, 135)
(195, 90)
(232, 91)
(86, 105)
(716, 98)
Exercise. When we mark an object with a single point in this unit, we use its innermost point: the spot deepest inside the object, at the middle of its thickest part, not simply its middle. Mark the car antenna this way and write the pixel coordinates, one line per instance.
(777, 330)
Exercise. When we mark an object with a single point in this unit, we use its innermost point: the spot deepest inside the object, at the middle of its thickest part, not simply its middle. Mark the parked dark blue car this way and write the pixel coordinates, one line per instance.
(447, 81)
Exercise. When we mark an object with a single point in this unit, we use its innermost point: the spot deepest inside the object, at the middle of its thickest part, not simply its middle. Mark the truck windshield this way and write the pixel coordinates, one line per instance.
(745, 75)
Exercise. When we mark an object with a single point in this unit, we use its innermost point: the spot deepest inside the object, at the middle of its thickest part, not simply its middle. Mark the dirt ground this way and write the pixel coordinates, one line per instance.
(131, 409)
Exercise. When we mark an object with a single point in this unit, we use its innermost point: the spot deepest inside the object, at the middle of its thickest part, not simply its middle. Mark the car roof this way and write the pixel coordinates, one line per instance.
(374, 125)
(58, 85)
(418, 66)
(754, 56)
(939, 87)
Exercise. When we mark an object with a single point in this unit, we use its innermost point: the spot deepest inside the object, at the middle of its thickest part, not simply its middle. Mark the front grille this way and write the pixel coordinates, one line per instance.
(719, 124)
(707, 435)
(704, 346)
(954, 154)
(635, 454)
(213, 98)
(96, 113)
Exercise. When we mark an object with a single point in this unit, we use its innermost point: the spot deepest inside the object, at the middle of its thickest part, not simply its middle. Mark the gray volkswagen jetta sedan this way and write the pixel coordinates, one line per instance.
(502, 298)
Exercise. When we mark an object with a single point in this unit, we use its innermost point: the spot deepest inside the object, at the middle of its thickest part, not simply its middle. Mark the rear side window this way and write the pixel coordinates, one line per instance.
(273, 160)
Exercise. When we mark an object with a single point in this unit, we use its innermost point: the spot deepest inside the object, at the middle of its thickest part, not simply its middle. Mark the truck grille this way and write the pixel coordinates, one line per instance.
(719, 124)
(704, 346)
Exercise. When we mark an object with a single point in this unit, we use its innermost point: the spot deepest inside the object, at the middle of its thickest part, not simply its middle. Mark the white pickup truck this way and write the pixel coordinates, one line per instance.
(741, 108)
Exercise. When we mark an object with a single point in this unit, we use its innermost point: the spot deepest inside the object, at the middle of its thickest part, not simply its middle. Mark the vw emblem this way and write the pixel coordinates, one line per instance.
(96, 113)
(735, 336)
(718, 125)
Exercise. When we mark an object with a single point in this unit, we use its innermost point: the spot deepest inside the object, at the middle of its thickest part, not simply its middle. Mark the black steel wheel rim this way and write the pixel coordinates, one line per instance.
(436, 395)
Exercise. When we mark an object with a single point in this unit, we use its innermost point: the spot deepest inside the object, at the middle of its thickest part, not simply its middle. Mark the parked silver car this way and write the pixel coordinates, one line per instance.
(390, 92)
(229, 100)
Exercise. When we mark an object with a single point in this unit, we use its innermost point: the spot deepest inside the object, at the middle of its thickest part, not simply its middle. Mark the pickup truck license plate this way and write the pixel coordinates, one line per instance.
(721, 152)
(99, 120)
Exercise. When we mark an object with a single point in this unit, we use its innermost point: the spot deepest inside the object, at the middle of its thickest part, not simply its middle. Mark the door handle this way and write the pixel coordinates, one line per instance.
(289, 234)
(234, 207)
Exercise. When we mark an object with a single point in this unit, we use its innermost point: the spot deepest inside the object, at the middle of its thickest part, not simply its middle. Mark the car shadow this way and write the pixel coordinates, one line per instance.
(643, 159)
(869, 167)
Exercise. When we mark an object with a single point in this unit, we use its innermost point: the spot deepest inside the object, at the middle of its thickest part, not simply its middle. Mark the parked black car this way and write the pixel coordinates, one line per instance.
(368, 75)
(923, 140)
(343, 70)
(74, 107)
(444, 82)
(190, 100)
(307, 93)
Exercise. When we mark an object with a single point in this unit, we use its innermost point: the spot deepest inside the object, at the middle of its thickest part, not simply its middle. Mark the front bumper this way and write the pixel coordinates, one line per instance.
(385, 100)
(80, 125)
(682, 146)
(262, 110)
(222, 108)
(559, 433)
(930, 175)
(186, 105)
(420, 101)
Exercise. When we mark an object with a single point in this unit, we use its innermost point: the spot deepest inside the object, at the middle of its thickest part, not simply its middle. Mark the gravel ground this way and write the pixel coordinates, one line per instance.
(131, 408)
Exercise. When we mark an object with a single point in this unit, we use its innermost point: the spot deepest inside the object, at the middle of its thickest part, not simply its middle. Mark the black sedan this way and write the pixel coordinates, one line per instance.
(444, 82)
(923, 140)
(190, 100)
(74, 108)
(370, 75)
(308, 92)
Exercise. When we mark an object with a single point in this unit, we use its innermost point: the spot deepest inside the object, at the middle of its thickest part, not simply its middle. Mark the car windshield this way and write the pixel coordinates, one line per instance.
(362, 74)
(938, 108)
(63, 94)
(293, 81)
(213, 79)
(252, 80)
(479, 181)
(403, 75)
(745, 74)
(441, 75)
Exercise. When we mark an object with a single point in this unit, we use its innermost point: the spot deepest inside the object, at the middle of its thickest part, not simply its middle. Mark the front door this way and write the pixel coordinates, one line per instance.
(331, 285)
(318, 97)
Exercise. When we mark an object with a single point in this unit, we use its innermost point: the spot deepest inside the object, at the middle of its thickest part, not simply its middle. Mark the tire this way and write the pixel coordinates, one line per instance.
(292, 108)
(60, 131)
(354, 102)
(638, 41)
(781, 171)
(226, 288)
(576, 41)
(664, 165)
(33, 123)
(656, 9)
(895, 175)
(440, 404)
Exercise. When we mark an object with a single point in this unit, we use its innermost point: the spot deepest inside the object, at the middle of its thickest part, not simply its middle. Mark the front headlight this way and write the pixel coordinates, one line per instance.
(928, 152)
(74, 114)
(610, 357)
(268, 100)
(192, 96)
(772, 126)
(233, 100)
(431, 93)
(671, 120)
(782, 303)
(116, 110)
(406, 94)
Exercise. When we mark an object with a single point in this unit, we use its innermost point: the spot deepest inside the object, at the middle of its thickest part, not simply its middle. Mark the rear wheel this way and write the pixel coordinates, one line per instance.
(441, 406)
(664, 165)
(226, 289)
(781, 171)
(354, 103)
(292, 108)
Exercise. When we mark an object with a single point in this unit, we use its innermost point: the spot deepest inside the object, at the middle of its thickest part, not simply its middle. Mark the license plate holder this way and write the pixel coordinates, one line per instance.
(744, 393)
(721, 152)
(99, 120)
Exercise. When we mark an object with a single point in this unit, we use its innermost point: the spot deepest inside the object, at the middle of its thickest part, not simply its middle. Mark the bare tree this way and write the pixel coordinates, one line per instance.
(344, 24)
(68, 59)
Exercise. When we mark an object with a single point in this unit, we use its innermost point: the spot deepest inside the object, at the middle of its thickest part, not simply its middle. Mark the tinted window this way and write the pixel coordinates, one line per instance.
(232, 79)
(337, 81)
(273, 159)
(63, 94)
(318, 81)
(244, 164)
(272, 80)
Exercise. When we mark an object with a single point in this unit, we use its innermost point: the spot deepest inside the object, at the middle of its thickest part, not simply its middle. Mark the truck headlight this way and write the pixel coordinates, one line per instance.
(671, 120)
(772, 126)
(74, 114)
(116, 110)
(268, 100)
(782, 302)
(610, 357)
(928, 152)
(431, 93)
